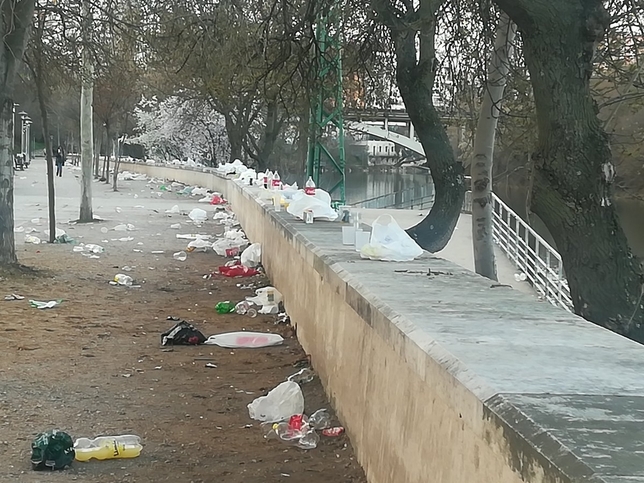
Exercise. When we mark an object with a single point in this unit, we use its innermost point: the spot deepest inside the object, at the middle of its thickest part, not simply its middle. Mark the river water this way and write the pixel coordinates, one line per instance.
(362, 186)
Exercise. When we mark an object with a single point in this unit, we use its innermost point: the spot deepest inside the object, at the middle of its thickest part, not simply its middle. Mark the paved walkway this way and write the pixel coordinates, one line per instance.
(459, 249)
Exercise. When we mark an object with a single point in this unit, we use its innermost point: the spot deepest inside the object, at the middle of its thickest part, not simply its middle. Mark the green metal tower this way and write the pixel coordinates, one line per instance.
(326, 105)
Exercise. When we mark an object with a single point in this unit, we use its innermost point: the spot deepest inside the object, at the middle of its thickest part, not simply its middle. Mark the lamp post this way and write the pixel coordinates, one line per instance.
(13, 130)
(28, 124)
(23, 118)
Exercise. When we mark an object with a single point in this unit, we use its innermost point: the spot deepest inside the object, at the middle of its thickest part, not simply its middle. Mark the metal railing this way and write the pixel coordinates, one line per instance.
(524, 247)
(532, 255)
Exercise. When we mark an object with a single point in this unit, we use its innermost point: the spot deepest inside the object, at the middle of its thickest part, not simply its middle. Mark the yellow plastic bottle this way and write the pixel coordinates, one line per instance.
(107, 449)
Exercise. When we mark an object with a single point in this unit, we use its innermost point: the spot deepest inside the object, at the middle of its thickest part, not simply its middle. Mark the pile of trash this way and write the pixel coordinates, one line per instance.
(281, 412)
(268, 300)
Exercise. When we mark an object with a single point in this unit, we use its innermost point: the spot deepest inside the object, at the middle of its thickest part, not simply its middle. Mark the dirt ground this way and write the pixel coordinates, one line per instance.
(94, 365)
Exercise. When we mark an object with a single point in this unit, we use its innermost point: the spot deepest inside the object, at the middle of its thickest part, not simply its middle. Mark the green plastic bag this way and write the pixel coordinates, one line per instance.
(52, 450)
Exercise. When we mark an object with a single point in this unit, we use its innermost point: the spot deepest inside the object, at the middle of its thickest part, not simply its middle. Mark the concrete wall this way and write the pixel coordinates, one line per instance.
(414, 410)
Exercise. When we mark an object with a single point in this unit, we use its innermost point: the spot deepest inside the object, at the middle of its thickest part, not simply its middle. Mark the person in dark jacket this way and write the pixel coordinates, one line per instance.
(60, 161)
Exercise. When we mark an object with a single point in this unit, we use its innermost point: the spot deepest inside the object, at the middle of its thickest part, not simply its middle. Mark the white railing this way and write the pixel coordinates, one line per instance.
(531, 254)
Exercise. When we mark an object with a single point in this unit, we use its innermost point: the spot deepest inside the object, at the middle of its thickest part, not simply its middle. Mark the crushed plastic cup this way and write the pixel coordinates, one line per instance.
(320, 419)
(245, 308)
(122, 279)
(181, 256)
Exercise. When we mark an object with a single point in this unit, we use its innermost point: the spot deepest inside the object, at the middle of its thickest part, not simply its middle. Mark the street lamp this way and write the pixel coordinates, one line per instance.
(23, 118)
(28, 123)
(13, 130)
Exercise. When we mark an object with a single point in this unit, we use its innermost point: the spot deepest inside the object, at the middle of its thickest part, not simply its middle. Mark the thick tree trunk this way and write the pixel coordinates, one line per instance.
(415, 75)
(573, 169)
(7, 239)
(235, 137)
(15, 20)
(86, 123)
(272, 128)
(483, 156)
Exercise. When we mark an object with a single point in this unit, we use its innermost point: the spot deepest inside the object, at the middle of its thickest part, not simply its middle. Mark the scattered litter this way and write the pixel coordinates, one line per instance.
(520, 277)
(175, 226)
(36, 221)
(248, 340)
(279, 404)
(52, 450)
(181, 256)
(192, 236)
(157, 252)
(64, 239)
(252, 255)
(59, 232)
(108, 447)
(89, 248)
(198, 215)
(389, 242)
(268, 298)
(19, 229)
(122, 279)
(320, 419)
(211, 365)
(237, 270)
(127, 268)
(126, 239)
(333, 432)
(182, 333)
(32, 239)
(174, 210)
(14, 296)
(45, 305)
(31, 230)
(199, 243)
(303, 376)
(123, 227)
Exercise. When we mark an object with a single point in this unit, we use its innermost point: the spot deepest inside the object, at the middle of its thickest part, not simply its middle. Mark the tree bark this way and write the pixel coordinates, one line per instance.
(117, 165)
(234, 137)
(86, 121)
(108, 151)
(7, 239)
(16, 17)
(573, 170)
(483, 156)
(415, 75)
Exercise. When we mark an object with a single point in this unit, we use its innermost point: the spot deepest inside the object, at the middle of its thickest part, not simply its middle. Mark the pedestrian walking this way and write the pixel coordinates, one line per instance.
(60, 161)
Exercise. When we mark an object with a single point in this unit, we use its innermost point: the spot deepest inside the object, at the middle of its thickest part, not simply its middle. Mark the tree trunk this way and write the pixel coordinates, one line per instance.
(15, 19)
(573, 170)
(117, 165)
(7, 239)
(86, 122)
(483, 156)
(108, 152)
(234, 137)
(415, 75)
(272, 128)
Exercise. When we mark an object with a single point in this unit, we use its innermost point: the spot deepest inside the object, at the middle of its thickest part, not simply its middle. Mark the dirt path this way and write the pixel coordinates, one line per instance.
(94, 364)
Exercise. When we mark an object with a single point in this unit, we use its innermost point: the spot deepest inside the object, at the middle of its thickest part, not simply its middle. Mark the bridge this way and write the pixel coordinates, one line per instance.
(438, 374)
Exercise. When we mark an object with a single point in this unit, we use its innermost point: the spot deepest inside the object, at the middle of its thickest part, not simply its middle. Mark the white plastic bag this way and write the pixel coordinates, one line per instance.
(174, 210)
(245, 340)
(389, 242)
(268, 298)
(320, 204)
(279, 404)
(252, 255)
(227, 247)
(198, 215)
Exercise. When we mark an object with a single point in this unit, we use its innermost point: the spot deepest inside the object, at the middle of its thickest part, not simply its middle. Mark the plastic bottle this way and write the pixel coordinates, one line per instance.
(269, 182)
(122, 279)
(225, 307)
(108, 447)
(245, 308)
(309, 187)
(277, 183)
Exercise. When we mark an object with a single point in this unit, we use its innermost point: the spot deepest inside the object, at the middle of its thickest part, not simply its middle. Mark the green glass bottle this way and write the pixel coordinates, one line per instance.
(225, 307)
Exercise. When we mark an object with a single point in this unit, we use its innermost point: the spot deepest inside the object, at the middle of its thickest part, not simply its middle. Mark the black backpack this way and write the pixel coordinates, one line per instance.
(182, 334)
